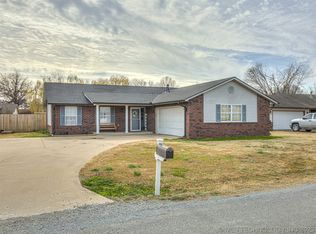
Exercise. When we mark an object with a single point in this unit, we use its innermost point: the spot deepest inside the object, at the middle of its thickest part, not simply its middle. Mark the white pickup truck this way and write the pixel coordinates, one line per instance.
(307, 123)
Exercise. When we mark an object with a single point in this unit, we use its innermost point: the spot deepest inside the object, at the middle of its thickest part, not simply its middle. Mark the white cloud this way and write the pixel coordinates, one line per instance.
(190, 40)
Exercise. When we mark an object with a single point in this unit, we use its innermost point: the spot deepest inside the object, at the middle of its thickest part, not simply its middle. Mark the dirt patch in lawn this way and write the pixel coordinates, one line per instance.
(202, 168)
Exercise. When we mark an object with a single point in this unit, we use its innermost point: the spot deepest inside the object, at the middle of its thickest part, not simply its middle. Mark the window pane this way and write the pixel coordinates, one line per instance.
(225, 108)
(237, 108)
(107, 115)
(70, 110)
(236, 117)
(225, 117)
(225, 112)
(236, 112)
(70, 115)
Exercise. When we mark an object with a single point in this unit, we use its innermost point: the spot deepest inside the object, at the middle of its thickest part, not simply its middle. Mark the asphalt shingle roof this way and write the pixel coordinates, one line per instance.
(61, 93)
(306, 101)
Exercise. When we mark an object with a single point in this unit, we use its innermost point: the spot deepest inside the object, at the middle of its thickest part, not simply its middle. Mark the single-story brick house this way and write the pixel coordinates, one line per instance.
(290, 106)
(226, 107)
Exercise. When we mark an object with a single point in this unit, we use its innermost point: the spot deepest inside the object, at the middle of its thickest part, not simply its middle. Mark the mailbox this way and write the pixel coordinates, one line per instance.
(162, 154)
(164, 151)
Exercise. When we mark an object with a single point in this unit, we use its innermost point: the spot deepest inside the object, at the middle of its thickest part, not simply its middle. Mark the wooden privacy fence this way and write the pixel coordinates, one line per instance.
(23, 122)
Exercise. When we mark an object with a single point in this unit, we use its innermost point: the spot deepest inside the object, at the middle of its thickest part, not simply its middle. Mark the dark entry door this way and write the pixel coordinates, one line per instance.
(135, 119)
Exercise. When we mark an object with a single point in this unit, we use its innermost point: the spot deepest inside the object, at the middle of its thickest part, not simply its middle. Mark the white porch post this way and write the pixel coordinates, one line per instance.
(97, 119)
(126, 119)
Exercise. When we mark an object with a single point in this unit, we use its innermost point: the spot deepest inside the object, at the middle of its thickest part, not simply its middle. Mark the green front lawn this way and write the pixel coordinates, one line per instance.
(25, 134)
(204, 167)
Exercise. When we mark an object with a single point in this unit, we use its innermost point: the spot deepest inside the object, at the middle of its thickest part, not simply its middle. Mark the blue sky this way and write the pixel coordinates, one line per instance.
(192, 41)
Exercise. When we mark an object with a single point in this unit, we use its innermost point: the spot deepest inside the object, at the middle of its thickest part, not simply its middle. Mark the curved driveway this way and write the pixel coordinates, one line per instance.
(39, 175)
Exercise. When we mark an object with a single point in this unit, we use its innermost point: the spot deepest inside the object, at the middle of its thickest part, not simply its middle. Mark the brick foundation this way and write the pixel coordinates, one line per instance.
(195, 127)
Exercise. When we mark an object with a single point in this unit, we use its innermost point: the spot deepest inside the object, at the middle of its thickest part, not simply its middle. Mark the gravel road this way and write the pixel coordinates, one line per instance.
(290, 210)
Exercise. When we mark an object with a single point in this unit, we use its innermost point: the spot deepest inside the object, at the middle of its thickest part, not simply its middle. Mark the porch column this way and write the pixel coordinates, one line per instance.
(126, 119)
(97, 119)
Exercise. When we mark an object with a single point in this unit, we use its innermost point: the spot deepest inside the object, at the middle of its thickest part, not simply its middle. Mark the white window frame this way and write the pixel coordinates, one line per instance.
(71, 119)
(231, 113)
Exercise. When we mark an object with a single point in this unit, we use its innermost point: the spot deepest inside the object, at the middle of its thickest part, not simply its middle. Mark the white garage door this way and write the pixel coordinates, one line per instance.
(170, 120)
(282, 119)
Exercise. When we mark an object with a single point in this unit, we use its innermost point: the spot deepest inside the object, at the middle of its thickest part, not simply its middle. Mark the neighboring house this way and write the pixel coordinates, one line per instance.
(290, 106)
(226, 107)
(8, 108)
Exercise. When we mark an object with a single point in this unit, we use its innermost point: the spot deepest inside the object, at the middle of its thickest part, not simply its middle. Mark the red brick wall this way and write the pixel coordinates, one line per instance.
(88, 122)
(120, 118)
(150, 119)
(195, 127)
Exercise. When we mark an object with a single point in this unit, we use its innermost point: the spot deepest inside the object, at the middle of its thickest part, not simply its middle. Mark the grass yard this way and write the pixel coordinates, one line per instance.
(25, 134)
(204, 167)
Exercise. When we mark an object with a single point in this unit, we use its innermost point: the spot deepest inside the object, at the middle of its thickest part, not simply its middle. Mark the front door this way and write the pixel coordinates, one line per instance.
(135, 119)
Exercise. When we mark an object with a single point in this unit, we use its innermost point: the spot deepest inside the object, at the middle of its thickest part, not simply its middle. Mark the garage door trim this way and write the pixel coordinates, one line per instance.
(284, 124)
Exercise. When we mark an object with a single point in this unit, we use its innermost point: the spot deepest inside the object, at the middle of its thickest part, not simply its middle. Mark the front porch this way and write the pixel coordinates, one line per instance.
(127, 118)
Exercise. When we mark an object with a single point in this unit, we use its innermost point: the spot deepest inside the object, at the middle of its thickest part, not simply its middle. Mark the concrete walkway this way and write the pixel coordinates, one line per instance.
(39, 175)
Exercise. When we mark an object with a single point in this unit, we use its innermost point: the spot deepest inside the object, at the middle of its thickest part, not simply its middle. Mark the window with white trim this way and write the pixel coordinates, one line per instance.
(231, 113)
(107, 115)
(71, 115)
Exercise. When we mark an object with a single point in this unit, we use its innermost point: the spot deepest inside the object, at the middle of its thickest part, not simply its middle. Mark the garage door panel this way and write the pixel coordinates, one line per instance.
(281, 119)
(170, 120)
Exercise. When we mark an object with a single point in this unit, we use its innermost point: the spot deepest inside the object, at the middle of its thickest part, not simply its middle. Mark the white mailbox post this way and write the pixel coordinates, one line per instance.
(162, 154)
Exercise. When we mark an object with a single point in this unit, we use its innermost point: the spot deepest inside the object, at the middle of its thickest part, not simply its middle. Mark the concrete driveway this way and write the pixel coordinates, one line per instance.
(39, 175)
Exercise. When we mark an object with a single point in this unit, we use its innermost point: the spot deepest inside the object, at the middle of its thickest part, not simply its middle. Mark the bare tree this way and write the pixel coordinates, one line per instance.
(60, 77)
(100, 81)
(113, 80)
(14, 88)
(151, 83)
(167, 81)
(138, 82)
(289, 80)
(118, 80)
(73, 78)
